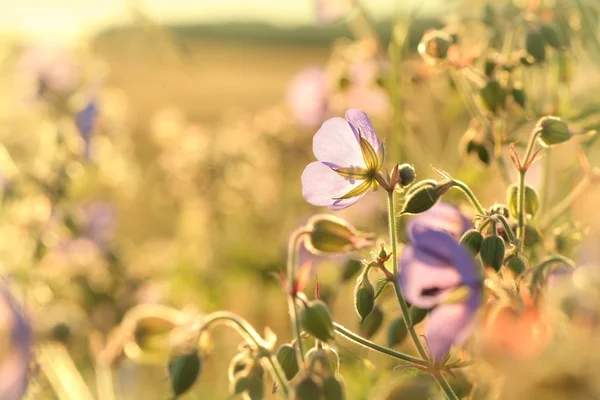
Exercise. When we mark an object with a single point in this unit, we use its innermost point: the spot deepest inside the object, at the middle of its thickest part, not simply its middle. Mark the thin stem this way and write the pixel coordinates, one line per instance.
(104, 382)
(292, 265)
(469, 193)
(353, 337)
(444, 385)
(539, 269)
(521, 191)
(252, 338)
(507, 229)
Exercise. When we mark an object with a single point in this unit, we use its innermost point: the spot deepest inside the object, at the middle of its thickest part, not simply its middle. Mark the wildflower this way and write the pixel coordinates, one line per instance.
(15, 352)
(85, 121)
(308, 96)
(444, 217)
(350, 156)
(330, 11)
(436, 271)
(365, 91)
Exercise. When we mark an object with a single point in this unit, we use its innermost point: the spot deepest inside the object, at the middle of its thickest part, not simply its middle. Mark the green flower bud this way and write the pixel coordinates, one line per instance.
(472, 240)
(286, 355)
(406, 174)
(492, 252)
(307, 389)
(364, 297)
(533, 235)
(327, 356)
(515, 264)
(424, 196)
(372, 323)
(328, 234)
(493, 95)
(480, 151)
(417, 314)
(553, 130)
(183, 372)
(397, 332)
(246, 376)
(434, 46)
(535, 45)
(239, 363)
(333, 389)
(500, 209)
(519, 96)
(317, 321)
(350, 268)
(551, 34)
(532, 204)
(489, 67)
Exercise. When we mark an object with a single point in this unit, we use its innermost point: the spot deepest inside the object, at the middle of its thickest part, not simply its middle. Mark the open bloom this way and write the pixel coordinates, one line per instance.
(350, 156)
(437, 272)
(15, 348)
(443, 217)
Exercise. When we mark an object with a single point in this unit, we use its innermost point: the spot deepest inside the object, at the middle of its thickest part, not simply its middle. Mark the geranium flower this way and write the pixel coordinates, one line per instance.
(443, 217)
(350, 156)
(15, 353)
(308, 96)
(437, 272)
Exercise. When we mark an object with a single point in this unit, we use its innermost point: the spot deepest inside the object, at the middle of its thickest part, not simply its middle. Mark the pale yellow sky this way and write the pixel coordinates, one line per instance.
(68, 19)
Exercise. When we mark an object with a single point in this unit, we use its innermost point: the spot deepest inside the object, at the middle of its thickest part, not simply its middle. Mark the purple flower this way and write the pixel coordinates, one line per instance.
(330, 11)
(350, 156)
(437, 272)
(15, 358)
(85, 121)
(443, 217)
(308, 96)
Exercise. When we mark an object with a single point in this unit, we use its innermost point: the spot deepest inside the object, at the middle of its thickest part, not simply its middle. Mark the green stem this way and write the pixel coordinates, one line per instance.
(292, 265)
(507, 229)
(469, 193)
(539, 269)
(444, 385)
(521, 192)
(252, 338)
(353, 337)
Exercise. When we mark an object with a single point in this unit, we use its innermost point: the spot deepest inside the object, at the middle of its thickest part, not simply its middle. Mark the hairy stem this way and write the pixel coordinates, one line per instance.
(521, 193)
(292, 265)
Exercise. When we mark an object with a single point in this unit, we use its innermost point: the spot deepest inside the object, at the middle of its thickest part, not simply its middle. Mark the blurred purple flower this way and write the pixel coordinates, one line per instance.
(330, 11)
(16, 353)
(343, 173)
(364, 92)
(444, 217)
(436, 271)
(308, 96)
(85, 121)
(99, 223)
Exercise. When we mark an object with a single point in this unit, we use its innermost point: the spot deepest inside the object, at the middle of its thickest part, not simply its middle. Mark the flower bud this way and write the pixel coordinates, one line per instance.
(364, 297)
(493, 95)
(239, 363)
(333, 389)
(372, 323)
(406, 174)
(382, 253)
(472, 240)
(417, 314)
(535, 46)
(397, 332)
(553, 130)
(533, 235)
(492, 252)
(424, 196)
(519, 96)
(327, 356)
(516, 265)
(350, 268)
(328, 234)
(307, 389)
(434, 46)
(532, 204)
(551, 34)
(286, 356)
(317, 321)
(183, 371)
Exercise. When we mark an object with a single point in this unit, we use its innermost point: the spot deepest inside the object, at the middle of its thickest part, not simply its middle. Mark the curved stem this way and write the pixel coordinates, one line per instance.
(292, 264)
(521, 193)
(248, 332)
(353, 337)
(538, 269)
(469, 193)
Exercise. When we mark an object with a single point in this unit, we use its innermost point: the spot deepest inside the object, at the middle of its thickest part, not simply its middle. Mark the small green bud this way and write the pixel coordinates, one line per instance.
(532, 235)
(434, 46)
(372, 323)
(183, 372)
(307, 389)
(406, 174)
(519, 96)
(397, 332)
(424, 196)
(493, 95)
(333, 389)
(535, 45)
(417, 314)
(239, 363)
(326, 356)
(317, 321)
(364, 297)
(350, 268)
(551, 34)
(382, 253)
(553, 130)
(489, 67)
(286, 355)
(492, 252)
(472, 240)
(515, 264)
(532, 204)
(329, 234)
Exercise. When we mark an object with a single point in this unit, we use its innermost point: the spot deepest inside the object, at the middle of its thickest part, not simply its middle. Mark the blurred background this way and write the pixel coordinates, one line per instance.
(151, 153)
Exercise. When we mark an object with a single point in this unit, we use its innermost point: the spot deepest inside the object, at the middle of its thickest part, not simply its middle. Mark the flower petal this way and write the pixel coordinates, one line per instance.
(450, 324)
(308, 96)
(443, 217)
(322, 186)
(360, 121)
(337, 145)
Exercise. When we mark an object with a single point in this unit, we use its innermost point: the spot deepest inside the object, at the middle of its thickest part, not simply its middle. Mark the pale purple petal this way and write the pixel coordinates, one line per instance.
(361, 122)
(450, 324)
(308, 96)
(321, 186)
(443, 217)
(336, 145)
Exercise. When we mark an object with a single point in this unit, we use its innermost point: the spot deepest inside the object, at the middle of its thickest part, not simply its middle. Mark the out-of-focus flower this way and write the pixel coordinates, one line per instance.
(308, 96)
(15, 347)
(444, 217)
(330, 11)
(85, 121)
(99, 223)
(436, 271)
(350, 155)
(363, 91)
